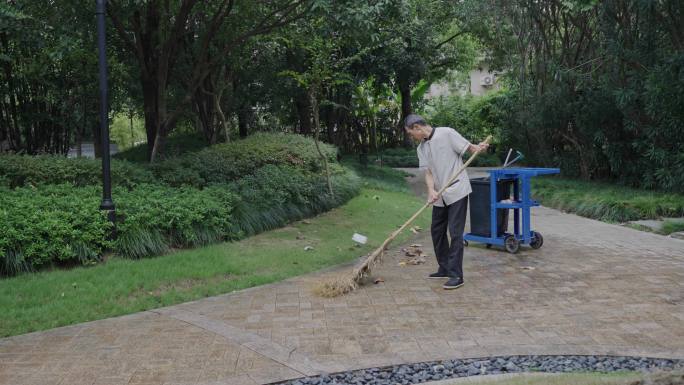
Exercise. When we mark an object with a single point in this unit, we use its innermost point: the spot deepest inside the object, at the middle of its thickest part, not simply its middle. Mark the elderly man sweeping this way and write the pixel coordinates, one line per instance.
(440, 154)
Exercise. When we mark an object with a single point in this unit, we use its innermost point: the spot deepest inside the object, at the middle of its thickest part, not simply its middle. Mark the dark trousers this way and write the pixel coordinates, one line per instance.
(449, 256)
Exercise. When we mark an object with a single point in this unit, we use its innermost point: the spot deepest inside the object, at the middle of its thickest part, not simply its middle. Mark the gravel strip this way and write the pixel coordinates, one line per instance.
(442, 370)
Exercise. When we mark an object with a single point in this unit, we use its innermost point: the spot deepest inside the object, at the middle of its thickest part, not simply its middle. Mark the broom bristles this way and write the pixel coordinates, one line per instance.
(336, 286)
(345, 283)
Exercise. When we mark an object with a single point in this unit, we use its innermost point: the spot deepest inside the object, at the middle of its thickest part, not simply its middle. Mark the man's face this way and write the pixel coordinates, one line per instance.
(415, 132)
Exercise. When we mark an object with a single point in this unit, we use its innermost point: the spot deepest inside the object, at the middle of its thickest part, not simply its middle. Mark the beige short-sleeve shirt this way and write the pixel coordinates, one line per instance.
(442, 153)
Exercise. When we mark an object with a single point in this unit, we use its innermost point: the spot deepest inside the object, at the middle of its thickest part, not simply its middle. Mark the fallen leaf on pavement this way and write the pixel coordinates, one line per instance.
(415, 256)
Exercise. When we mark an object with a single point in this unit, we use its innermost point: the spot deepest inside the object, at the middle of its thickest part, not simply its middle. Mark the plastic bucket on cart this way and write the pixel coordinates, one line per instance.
(480, 215)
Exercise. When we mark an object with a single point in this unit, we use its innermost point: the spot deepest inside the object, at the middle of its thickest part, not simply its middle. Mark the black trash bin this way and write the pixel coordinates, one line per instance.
(480, 223)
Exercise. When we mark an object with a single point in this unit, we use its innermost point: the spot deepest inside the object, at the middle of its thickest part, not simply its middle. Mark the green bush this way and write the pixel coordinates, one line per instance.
(224, 192)
(275, 195)
(24, 170)
(154, 218)
(473, 117)
(50, 224)
(607, 202)
(59, 224)
(223, 163)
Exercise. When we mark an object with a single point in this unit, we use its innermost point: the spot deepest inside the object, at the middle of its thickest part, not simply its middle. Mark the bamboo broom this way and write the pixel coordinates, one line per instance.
(348, 282)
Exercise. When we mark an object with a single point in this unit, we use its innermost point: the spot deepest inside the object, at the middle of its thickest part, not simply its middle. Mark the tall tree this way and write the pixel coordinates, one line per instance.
(158, 32)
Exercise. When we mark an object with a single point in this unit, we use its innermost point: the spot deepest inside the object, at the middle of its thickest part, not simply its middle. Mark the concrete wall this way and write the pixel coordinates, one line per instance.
(476, 76)
(473, 87)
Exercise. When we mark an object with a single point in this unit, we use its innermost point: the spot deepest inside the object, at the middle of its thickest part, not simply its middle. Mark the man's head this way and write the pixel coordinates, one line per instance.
(416, 127)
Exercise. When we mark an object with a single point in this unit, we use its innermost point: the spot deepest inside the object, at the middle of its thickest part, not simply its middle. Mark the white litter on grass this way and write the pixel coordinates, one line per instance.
(362, 239)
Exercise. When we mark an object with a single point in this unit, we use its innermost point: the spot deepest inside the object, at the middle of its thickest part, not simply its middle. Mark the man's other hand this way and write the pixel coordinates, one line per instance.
(432, 196)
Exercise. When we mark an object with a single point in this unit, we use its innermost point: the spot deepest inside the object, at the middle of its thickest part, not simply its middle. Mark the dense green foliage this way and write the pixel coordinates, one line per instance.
(672, 226)
(51, 224)
(204, 72)
(24, 170)
(606, 202)
(49, 205)
(275, 195)
(595, 87)
(473, 117)
(227, 162)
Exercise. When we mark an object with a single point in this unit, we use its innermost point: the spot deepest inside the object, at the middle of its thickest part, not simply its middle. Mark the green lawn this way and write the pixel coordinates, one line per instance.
(56, 298)
(670, 226)
(605, 201)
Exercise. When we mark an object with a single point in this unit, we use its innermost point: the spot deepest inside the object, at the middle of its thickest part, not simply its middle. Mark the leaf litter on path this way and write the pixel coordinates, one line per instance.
(415, 256)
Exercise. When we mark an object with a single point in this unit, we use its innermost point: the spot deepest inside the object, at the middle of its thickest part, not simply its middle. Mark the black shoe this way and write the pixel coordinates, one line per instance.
(453, 283)
(438, 275)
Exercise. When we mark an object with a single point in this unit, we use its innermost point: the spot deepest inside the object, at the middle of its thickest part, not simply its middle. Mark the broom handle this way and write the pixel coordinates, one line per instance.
(439, 193)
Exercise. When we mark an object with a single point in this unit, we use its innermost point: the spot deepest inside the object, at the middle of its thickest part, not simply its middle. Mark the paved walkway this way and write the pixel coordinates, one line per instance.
(593, 288)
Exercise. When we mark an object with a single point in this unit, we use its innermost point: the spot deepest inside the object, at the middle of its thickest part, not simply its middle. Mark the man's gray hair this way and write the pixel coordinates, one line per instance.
(414, 119)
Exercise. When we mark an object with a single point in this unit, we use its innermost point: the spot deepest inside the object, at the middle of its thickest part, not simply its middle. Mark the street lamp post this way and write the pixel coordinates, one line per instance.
(107, 202)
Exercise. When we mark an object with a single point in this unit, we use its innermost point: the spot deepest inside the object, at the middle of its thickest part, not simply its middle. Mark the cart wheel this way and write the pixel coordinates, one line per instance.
(489, 245)
(537, 240)
(465, 243)
(511, 243)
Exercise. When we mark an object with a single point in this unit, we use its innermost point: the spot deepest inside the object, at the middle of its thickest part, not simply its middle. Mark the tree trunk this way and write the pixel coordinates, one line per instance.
(204, 113)
(329, 118)
(315, 112)
(13, 131)
(150, 108)
(159, 145)
(406, 110)
(163, 127)
(221, 116)
(374, 137)
(243, 121)
(304, 109)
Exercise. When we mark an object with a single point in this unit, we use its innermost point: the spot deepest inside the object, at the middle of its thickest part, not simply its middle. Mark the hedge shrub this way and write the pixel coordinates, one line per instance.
(25, 170)
(50, 224)
(276, 195)
(606, 201)
(223, 163)
(60, 224)
(153, 218)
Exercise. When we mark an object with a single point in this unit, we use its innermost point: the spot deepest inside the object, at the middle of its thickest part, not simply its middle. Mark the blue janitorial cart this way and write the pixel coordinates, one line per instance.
(491, 201)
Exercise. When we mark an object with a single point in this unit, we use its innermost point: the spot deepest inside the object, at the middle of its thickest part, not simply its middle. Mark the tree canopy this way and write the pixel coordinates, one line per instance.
(595, 87)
